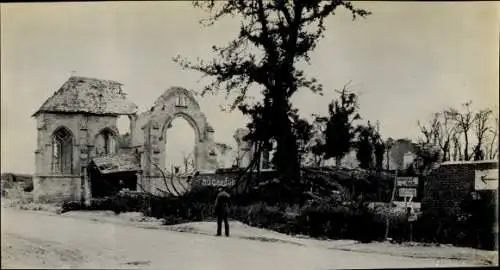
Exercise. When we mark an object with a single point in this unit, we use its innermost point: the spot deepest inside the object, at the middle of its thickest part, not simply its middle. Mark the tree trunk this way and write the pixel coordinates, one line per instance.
(287, 150)
(288, 161)
(387, 164)
(466, 147)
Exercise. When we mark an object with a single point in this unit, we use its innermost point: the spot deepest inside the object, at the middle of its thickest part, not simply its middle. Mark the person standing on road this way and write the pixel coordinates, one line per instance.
(221, 210)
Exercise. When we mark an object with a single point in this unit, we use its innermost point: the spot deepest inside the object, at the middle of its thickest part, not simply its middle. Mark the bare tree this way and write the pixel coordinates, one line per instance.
(447, 130)
(457, 146)
(452, 131)
(464, 121)
(480, 130)
(167, 181)
(440, 131)
(429, 130)
(492, 145)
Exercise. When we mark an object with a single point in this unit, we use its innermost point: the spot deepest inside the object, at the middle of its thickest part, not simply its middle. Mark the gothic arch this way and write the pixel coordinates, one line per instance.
(198, 134)
(177, 96)
(62, 142)
(177, 102)
(106, 142)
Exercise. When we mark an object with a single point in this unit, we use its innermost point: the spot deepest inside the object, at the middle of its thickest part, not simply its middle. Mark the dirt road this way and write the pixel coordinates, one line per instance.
(38, 240)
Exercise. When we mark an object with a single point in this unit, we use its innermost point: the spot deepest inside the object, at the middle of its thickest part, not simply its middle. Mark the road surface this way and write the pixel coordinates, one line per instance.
(38, 240)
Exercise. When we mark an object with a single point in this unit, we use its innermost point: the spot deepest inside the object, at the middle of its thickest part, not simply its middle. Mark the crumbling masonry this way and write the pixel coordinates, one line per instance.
(77, 130)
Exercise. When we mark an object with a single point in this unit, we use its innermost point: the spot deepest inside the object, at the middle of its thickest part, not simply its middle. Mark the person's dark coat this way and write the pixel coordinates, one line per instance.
(221, 209)
(222, 204)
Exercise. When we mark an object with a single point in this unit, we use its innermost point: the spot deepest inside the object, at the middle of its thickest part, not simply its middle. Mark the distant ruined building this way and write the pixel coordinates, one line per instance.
(80, 153)
(401, 154)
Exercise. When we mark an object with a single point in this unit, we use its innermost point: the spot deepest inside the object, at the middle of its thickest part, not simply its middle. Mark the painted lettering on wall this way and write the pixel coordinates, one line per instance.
(212, 181)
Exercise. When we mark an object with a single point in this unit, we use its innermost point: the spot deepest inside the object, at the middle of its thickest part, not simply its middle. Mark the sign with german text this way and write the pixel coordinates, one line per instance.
(215, 180)
(407, 181)
(218, 182)
(407, 192)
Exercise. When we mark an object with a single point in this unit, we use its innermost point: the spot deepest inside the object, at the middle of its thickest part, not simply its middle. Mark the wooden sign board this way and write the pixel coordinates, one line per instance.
(486, 179)
(407, 181)
(407, 192)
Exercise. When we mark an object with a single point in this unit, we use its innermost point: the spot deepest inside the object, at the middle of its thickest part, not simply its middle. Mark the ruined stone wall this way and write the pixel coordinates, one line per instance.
(57, 188)
(244, 149)
(84, 130)
(225, 156)
(137, 132)
(46, 125)
(95, 124)
(152, 128)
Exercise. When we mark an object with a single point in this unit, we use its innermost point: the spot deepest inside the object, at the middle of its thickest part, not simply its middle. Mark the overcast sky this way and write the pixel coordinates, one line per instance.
(408, 60)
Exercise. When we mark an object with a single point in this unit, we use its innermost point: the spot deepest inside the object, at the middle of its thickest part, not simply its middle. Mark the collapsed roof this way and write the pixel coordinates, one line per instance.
(120, 162)
(89, 95)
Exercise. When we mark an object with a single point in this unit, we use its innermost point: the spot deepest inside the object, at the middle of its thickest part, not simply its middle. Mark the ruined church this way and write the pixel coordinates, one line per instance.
(81, 154)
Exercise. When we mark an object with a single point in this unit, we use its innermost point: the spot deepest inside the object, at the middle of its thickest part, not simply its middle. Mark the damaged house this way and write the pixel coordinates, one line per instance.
(79, 154)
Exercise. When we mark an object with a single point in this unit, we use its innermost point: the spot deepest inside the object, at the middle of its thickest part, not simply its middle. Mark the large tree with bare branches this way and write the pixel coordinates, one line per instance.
(274, 37)
(463, 134)
(440, 131)
(464, 121)
(481, 128)
(491, 144)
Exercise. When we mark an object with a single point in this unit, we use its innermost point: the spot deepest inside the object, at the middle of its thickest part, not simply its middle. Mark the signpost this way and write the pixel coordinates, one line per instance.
(412, 217)
(407, 181)
(390, 205)
(407, 189)
(407, 186)
(407, 192)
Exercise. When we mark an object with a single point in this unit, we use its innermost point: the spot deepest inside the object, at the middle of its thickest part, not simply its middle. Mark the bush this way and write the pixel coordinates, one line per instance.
(128, 201)
(194, 205)
(261, 215)
(28, 187)
(323, 218)
(122, 202)
(319, 217)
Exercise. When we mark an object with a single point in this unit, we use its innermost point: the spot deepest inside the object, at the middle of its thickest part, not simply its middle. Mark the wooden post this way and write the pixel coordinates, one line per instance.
(390, 206)
(411, 231)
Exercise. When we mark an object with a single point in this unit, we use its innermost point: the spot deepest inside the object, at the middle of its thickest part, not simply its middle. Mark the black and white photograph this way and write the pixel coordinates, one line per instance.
(249, 134)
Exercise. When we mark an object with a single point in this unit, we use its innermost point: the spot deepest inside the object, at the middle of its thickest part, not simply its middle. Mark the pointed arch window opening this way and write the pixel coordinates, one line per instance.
(62, 152)
(107, 143)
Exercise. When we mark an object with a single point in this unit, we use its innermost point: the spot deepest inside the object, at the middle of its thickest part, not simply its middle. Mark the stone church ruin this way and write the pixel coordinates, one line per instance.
(81, 154)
